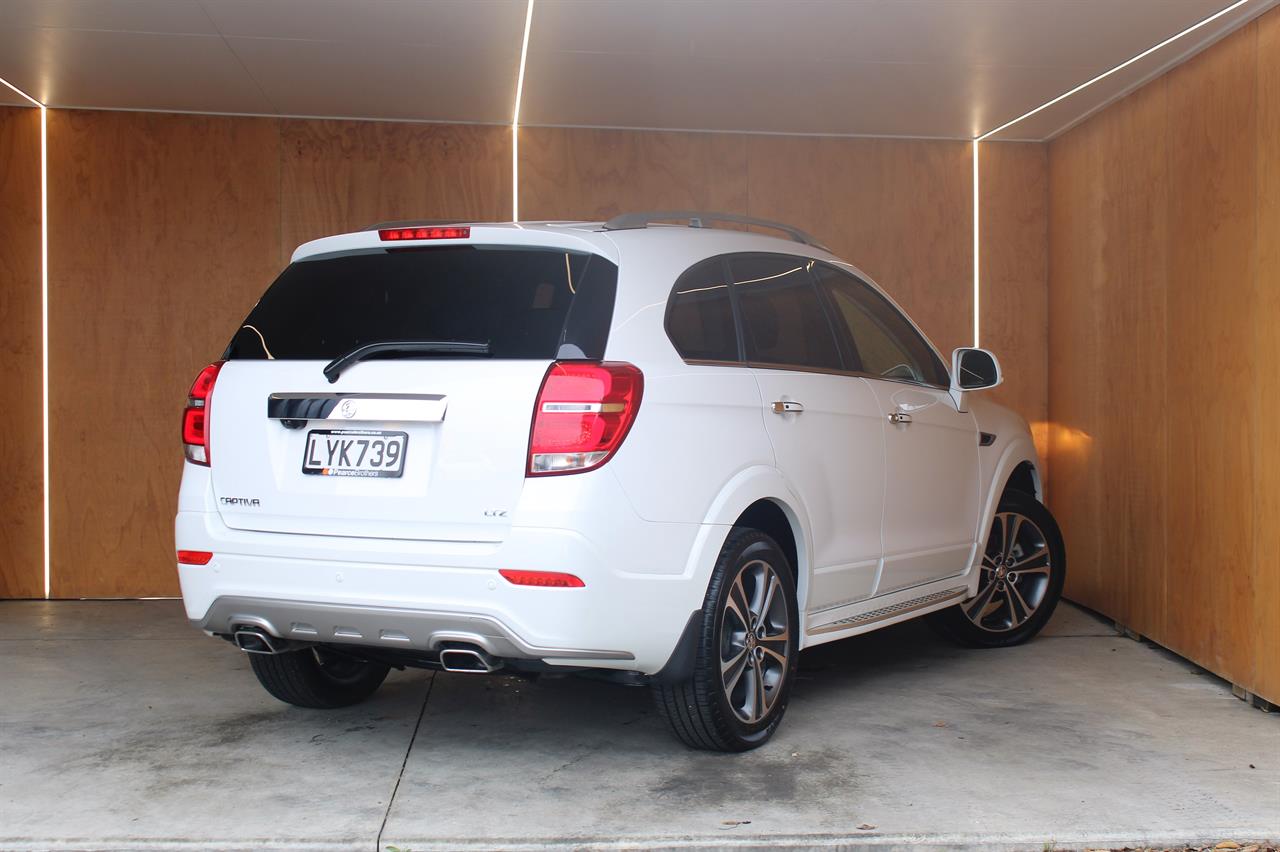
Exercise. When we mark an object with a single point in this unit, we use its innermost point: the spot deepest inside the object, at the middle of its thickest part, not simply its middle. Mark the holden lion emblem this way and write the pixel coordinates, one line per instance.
(348, 408)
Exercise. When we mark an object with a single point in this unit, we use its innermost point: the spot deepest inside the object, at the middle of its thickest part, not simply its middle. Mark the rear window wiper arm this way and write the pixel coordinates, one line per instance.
(427, 347)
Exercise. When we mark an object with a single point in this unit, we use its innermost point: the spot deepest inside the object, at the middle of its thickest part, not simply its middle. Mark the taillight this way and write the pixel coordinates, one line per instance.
(194, 557)
(583, 412)
(425, 233)
(195, 417)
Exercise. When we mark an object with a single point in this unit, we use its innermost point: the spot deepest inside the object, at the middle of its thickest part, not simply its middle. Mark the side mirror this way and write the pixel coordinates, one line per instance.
(974, 369)
(971, 370)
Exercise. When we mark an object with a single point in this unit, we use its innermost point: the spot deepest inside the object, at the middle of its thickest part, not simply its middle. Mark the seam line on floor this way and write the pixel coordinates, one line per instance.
(377, 843)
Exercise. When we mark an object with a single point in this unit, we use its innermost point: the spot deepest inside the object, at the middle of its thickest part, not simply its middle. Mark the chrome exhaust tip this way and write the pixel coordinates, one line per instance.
(468, 661)
(255, 641)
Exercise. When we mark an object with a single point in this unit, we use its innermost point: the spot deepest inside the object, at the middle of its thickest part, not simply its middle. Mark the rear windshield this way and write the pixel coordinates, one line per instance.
(522, 302)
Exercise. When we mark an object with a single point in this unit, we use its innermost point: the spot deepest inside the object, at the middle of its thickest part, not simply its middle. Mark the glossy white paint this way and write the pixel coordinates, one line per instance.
(882, 514)
(841, 486)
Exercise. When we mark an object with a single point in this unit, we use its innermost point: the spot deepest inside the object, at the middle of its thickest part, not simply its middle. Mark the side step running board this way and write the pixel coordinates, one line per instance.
(893, 611)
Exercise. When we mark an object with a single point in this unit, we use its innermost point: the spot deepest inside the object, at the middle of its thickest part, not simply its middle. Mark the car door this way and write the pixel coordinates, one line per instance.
(931, 448)
(825, 425)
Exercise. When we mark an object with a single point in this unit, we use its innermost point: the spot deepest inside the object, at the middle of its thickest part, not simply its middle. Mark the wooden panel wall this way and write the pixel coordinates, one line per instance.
(21, 486)
(1164, 304)
(1014, 303)
(166, 230)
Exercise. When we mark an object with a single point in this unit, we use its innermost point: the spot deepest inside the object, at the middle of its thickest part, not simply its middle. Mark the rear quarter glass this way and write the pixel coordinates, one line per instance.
(525, 303)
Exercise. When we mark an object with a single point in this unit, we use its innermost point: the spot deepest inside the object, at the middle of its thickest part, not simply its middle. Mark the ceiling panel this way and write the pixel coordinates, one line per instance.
(447, 82)
(128, 70)
(949, 68)
(471, 23)
(153, 16)
(441, 60)
(938, 68)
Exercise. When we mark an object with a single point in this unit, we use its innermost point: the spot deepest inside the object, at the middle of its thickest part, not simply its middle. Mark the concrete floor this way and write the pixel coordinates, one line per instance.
(121, 727)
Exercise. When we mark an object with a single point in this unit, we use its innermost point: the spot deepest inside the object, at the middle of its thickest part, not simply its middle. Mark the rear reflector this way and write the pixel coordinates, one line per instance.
(583, 412)
(194, 557)
(195, 417)
(428, 233)
(545, 579)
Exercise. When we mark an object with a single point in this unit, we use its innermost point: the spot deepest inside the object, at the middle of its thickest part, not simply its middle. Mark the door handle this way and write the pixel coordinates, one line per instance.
(900, 417)
(787, 407)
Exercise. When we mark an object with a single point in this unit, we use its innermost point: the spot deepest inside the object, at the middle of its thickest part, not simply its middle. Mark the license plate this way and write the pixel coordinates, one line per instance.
(354, 452)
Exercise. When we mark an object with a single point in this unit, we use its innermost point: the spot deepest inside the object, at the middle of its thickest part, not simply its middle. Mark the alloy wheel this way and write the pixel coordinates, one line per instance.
(755, 641)
(1015, 575)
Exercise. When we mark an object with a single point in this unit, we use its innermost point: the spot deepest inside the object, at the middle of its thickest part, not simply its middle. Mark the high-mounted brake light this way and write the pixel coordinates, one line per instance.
(584, 411)
(544, 579)
(194, 557)
(195, 417)
(426, 233)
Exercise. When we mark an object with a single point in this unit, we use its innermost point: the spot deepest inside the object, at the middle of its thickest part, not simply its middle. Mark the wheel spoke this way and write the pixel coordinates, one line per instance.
(731, 670)
(1003, 520)
(1039, 555)
(979, 604)
(760, 708)
(737, 604)
(768, 600)
(1011, 539)
(780, 658)
(1018, 605)
(1035, 569)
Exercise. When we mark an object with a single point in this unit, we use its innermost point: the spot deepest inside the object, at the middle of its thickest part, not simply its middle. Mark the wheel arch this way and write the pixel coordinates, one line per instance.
(1018, 467)
(761, 498)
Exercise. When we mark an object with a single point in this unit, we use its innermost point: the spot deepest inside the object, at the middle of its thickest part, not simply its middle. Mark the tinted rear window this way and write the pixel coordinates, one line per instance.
(700, 316)
(525, 303)
(784, 320)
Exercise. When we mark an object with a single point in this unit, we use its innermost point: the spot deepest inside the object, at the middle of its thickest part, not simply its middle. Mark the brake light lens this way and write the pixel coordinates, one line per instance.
(195, 417)
(425, 233)
(583, 413)
(194, 557)
(544, 579)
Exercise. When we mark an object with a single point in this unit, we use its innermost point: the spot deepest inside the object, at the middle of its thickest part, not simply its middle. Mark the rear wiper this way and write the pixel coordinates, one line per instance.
(430, 347)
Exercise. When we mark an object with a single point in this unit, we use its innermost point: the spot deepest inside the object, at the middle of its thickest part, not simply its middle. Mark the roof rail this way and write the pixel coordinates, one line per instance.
(697, 219)
(415, 223)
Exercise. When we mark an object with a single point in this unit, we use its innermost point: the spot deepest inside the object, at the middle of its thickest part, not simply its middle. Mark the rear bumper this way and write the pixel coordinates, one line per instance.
(384, 627)
(418, 595)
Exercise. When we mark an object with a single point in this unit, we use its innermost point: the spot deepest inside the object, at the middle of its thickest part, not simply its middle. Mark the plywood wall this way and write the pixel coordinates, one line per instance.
(21, 488)
(1163, 392)
(167, 227)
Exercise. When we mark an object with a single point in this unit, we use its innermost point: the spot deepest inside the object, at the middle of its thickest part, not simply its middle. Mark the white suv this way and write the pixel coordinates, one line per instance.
(670, 454)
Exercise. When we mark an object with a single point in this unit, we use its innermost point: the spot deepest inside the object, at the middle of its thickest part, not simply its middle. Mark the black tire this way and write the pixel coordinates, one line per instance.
(1032, 585)
(702, 711)
(317, 678)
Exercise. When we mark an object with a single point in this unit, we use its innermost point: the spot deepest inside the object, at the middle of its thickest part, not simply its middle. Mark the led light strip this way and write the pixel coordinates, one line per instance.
(515, 118)
(977, 288)
(44, 316)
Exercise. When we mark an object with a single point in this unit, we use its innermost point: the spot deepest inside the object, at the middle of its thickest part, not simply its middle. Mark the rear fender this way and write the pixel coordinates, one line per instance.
(749, 486)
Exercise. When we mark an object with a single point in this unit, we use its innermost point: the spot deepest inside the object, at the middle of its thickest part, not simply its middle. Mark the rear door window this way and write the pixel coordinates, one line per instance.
(525, 303)
(700, 316)
(783, 319)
